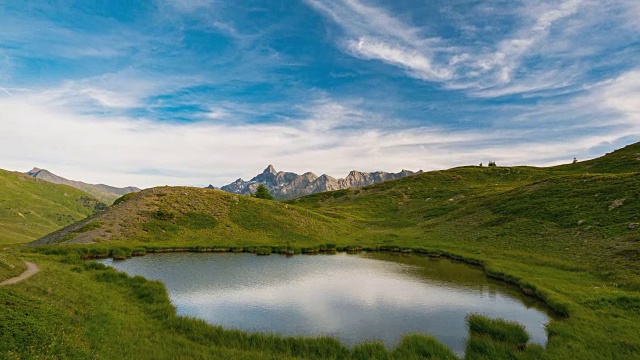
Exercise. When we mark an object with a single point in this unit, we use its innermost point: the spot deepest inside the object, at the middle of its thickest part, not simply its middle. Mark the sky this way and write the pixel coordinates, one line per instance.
(176, 92)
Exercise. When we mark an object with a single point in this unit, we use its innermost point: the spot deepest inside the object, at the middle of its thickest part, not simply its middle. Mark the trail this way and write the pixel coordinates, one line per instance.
(32, 269)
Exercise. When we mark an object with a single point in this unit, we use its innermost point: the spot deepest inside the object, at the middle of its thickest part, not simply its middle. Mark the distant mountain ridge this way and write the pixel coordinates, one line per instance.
(31, 208)
(105, 193)
(287, 185)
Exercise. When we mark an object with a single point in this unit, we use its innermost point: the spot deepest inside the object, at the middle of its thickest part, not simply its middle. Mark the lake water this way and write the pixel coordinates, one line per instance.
(354, 297)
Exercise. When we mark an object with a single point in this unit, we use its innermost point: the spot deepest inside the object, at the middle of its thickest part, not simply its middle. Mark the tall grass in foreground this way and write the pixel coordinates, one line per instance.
(494, 339)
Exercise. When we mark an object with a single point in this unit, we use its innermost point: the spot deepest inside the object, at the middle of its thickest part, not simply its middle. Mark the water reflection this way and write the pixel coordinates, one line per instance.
(353, 297)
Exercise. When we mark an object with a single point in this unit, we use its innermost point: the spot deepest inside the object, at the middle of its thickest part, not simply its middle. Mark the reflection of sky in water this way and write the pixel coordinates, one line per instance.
(352, 297)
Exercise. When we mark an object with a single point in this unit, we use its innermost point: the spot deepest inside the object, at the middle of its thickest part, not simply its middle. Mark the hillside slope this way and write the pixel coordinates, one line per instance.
(31, 208)
(626, 159)
(187, 215)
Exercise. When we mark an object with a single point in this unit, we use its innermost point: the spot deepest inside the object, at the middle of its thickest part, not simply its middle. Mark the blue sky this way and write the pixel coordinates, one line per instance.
(204, 91)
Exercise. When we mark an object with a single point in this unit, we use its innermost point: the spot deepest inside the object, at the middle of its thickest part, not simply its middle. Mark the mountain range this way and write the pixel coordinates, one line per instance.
(106, 193)
(287, 185)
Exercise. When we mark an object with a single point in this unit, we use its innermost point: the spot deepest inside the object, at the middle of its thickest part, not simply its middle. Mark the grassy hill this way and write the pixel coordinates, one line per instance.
(568, 235)
(31, 208)
(184, 216)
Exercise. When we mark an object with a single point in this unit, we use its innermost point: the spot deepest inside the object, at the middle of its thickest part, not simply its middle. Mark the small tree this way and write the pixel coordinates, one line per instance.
(492, 163)
(263, 193)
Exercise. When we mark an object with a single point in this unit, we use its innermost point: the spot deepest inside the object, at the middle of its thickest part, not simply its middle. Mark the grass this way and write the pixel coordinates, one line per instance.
(494, 339)
(10, 266)
(561, 234)
(31, 208)
(183, 216)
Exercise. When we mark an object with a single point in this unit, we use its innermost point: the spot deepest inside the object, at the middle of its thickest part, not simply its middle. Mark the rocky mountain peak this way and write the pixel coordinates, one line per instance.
(288, 185)
(35, 170)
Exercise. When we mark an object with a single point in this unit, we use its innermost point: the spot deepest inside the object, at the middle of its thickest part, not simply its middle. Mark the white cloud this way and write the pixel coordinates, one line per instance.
(623, 96)
(117, 91)
(124, 151)
(416, 63)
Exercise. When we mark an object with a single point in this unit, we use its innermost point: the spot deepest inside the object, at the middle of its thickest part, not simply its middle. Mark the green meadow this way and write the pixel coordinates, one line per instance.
(31, 208)
(568, 235)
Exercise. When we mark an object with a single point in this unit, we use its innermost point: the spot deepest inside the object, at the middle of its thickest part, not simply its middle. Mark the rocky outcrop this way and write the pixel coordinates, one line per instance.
(103, 192)
(287, 185)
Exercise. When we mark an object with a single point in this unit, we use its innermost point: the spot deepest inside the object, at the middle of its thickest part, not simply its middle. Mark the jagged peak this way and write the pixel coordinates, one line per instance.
(326, 177)
(288, 185)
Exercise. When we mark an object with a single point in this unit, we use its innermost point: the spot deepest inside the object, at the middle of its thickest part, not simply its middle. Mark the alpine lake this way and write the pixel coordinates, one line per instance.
(353, 297)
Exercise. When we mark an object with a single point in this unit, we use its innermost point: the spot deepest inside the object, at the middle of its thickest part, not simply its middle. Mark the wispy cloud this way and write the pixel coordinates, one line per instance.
(416, 63)
(371, 33)
(488, 69)
(186, 6)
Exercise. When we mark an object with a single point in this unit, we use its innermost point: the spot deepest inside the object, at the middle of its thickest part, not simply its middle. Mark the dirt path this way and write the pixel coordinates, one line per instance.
(32, 269)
